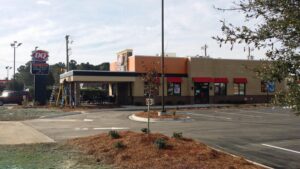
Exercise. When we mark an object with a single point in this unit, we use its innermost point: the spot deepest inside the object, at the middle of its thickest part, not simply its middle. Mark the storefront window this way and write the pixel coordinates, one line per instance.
(220, 89)
(174, 89)
(239, 89)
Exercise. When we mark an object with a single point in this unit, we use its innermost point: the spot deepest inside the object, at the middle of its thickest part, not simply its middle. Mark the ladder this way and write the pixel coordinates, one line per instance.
(51, 100)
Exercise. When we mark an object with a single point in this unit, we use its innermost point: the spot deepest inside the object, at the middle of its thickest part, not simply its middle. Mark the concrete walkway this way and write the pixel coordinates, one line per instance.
(19, 133)
(188, 106)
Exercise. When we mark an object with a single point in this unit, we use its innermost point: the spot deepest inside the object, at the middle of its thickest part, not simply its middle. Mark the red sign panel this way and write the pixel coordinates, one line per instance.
(40, 55)
(221, 80)
(203, 79)
(240, 80)
(174, 79)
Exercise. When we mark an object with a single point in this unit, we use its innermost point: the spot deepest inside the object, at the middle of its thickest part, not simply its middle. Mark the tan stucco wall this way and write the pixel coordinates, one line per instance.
(203, 67)
(138, 87)
(131, 64)
(175, 65)
(113, 66)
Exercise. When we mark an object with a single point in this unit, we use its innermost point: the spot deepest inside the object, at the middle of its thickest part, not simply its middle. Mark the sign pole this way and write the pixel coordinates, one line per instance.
(39, 70)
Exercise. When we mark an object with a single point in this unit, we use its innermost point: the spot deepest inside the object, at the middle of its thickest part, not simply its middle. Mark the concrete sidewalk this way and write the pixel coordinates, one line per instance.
(192, 106)
(19, 133)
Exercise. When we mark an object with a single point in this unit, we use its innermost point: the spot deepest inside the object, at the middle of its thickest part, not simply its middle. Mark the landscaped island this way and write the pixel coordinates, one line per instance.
(138, 150)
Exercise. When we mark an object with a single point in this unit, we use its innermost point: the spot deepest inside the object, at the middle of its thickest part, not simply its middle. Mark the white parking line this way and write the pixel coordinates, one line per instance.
(280, 148)
(238, 114)
(88, 120)
(57, 120)
(218, 117)
(112, 128)
(259, 112)
(84, 129)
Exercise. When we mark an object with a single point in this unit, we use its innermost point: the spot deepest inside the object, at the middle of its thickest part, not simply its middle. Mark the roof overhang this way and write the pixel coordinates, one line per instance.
(104, 76)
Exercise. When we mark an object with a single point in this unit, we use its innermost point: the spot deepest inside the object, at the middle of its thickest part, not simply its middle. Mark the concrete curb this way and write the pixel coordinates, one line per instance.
(250, 161)
(153, 120)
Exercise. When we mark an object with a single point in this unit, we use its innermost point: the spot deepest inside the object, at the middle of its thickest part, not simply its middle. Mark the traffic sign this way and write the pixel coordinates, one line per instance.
(149, 101)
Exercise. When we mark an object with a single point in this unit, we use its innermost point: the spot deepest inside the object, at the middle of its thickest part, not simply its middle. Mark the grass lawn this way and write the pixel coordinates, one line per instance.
(17, 114)
(45, 156)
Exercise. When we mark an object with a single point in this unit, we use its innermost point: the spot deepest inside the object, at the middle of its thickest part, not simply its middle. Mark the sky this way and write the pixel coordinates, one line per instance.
(101, 28)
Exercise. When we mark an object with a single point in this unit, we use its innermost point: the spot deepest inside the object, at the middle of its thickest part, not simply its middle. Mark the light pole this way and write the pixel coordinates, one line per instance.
(15, 45)
(7, 69)
(162, 57)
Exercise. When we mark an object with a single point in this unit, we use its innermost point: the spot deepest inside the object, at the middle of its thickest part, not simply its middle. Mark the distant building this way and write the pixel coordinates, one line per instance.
(189, 80)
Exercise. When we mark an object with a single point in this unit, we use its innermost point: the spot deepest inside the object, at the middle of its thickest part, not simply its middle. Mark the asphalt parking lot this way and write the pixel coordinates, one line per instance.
(265, 135)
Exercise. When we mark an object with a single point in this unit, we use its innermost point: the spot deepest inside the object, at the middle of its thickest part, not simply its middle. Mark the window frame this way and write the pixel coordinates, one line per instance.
(239, 89)
(172, 85)
(220, 93)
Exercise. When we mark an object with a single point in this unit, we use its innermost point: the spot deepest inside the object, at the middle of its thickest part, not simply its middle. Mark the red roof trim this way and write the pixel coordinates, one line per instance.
(203, 79)
(240, 80)
(174, 79)
(221, 80)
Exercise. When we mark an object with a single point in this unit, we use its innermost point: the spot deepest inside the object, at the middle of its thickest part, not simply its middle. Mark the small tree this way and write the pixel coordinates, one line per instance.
(151, 85)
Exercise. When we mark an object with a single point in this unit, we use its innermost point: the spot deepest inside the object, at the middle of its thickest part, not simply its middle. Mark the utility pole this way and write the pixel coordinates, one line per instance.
(249, 54)
(205, 49)
(162, 58)
(67, 52)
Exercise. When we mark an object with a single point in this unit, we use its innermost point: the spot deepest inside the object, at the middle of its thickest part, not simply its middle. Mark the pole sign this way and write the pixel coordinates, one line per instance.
(39, 65)
(149, 102)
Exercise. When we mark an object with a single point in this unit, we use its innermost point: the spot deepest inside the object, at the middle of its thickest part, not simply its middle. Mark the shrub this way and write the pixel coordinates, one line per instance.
(160, 143)
(180, 102)
(113, 134)
(177, 135)
(138, 103)
(169, 103)
(119, 145)
(145, 130)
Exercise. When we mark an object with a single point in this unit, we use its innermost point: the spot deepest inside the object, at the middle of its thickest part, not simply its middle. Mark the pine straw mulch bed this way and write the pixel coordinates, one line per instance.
(140, 153)
(154, 115)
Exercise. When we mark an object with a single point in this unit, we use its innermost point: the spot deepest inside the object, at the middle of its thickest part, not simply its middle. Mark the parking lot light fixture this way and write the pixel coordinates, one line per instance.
(15, 45)
(7, 69)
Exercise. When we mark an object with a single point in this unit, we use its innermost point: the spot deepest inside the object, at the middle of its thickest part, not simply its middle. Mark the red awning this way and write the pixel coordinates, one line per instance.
(221, 80)
(174, 79)
(240, 80)
(203, 79)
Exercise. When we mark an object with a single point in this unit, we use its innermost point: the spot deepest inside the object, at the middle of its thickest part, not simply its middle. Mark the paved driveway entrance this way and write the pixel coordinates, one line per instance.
(19, 133)
(265, 135)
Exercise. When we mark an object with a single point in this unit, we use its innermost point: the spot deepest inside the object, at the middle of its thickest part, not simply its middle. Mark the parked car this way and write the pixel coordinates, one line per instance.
(13, 97)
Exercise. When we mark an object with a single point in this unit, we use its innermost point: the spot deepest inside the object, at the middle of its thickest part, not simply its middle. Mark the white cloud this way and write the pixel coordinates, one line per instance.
(43, 2)
(102, 28)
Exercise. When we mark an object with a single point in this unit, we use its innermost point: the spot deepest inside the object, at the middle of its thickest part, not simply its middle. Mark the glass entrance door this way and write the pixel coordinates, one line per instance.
(201, 93)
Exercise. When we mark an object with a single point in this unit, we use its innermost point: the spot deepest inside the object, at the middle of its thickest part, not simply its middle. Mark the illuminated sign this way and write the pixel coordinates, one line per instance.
(39, 64)
(40, 55)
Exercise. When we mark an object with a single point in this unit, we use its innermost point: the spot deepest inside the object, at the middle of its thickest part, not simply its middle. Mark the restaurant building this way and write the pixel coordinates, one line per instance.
(188, 80)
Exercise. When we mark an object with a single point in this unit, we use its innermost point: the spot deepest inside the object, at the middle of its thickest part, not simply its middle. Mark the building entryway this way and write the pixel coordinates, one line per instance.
(201, 93)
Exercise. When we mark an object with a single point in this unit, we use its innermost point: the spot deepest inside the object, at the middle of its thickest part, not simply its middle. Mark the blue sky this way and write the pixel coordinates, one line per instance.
(101, 28)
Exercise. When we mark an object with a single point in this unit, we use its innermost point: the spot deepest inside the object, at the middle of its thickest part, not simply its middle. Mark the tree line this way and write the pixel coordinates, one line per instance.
(25, 80)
